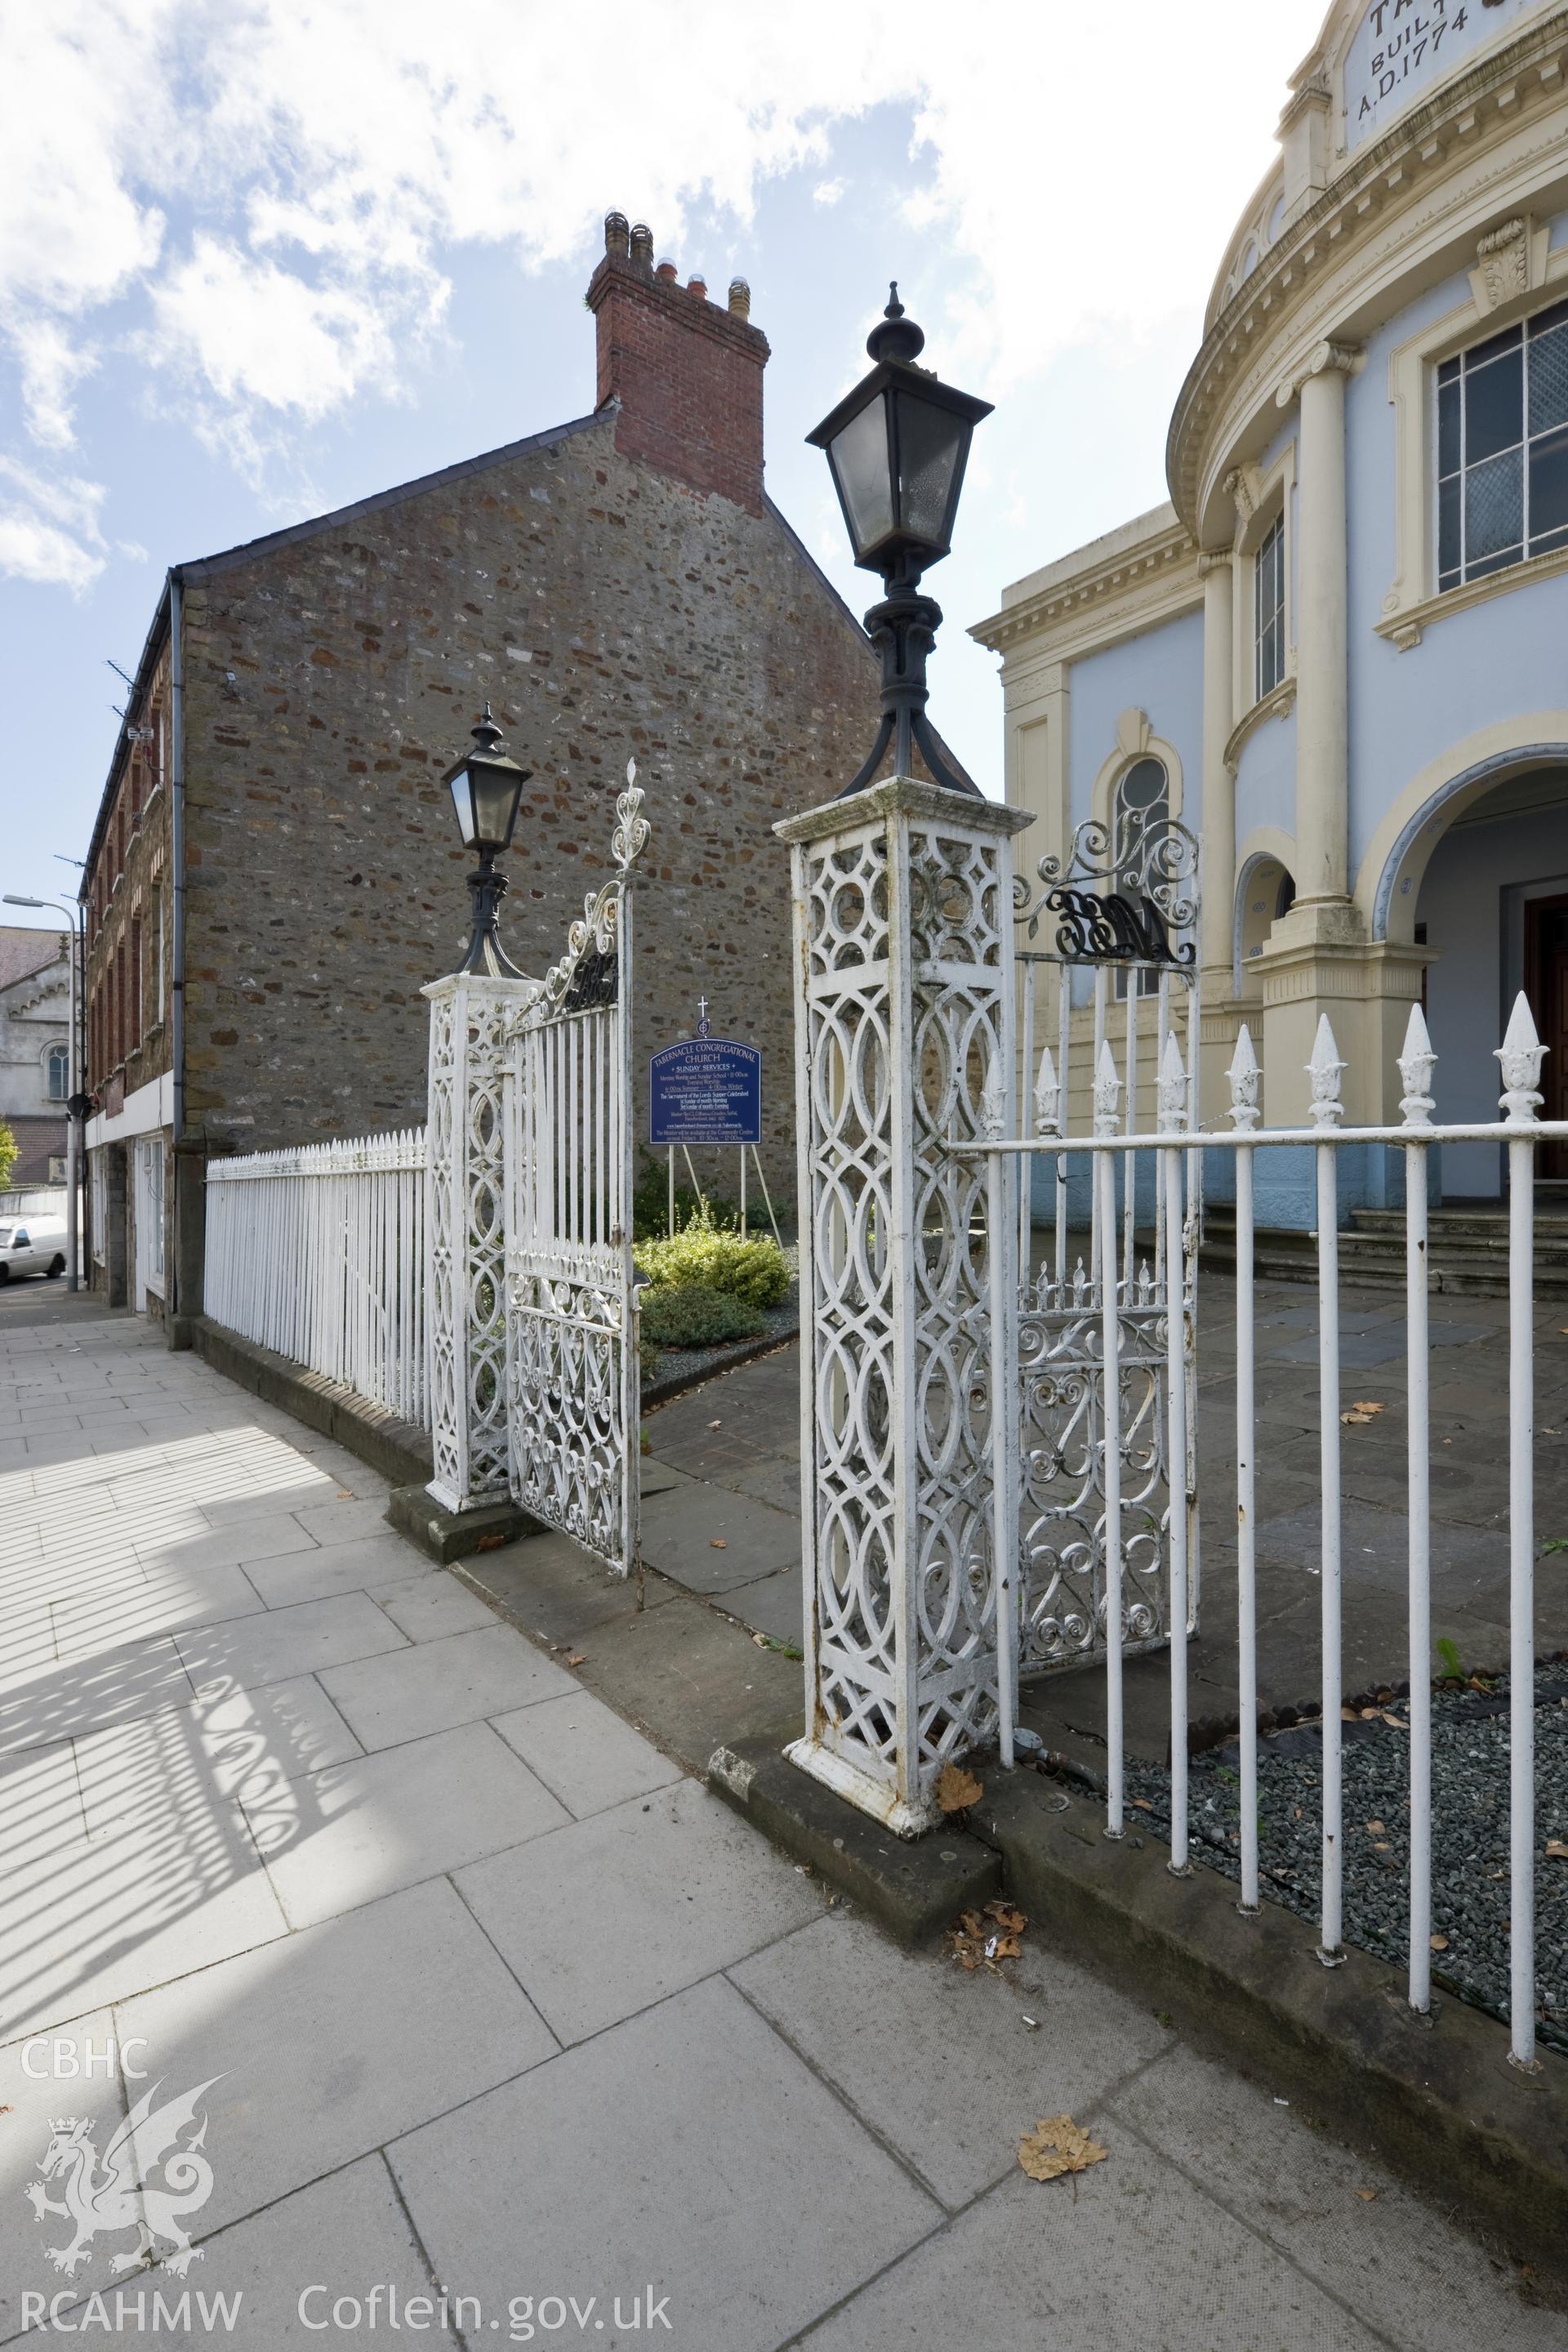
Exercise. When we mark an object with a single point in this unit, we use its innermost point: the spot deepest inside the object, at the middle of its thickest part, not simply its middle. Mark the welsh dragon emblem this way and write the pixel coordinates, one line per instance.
(152, 2174)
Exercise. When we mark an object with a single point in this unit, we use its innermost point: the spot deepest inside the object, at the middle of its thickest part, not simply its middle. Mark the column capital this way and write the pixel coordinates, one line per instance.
(1327, 358)
(1213, 559)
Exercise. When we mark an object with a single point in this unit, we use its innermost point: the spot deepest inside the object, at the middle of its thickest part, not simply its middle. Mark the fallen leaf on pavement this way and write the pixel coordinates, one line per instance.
(1362, 1405)
(1375, 1829)
(1058, 2145)
(1007, 1915)
(1558, 1849)
(1142, 1805)
(1367, 2196)
(1357, 1420)
(1439, 1943)
(577, 1658)
(715, 1424)
(718, 1543)
(492, 1542)
(956, 1788)
(345, 1494)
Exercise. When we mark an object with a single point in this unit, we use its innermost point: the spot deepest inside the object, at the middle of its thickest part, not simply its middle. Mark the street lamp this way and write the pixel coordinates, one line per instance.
(486, 786)
(896, 446)
(77, 1105)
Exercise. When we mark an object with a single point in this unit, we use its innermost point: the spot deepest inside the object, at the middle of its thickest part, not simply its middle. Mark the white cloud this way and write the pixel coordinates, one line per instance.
(322, 167)
(48, 528)
(51, 365)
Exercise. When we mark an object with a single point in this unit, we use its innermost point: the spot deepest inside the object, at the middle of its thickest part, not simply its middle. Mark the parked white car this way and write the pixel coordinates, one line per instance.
(32, 1245)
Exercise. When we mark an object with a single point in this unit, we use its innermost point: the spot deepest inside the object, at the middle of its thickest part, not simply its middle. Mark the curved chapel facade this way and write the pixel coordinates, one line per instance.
(1346, 637)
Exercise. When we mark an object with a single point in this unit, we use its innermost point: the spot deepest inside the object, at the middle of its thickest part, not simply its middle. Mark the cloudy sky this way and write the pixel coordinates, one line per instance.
(259, 258)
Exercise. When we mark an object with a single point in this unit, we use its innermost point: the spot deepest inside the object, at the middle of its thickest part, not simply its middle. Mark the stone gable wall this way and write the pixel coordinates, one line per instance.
(607, 613)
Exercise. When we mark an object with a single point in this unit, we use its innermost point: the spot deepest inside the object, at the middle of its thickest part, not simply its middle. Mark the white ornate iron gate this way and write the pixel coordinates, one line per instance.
(572, 1327)
(1124, 905)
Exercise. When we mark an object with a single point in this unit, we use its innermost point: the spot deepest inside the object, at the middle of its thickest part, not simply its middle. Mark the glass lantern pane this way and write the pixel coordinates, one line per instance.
(493, 789)
(463, 803)
(930, 442)
(858, 455)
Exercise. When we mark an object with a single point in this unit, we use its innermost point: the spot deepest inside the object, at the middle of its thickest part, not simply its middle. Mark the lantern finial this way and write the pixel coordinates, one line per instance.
(895, 335)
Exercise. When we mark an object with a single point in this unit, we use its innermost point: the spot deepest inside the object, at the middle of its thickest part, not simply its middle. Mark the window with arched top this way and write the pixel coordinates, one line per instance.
(1140, 811)
(1140, 817)
(57, 1072)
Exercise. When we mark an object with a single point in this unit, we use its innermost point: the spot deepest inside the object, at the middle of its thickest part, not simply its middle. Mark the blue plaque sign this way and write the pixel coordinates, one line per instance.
(706, 1090)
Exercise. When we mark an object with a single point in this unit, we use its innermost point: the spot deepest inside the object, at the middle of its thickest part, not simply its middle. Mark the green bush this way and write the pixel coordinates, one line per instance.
(695, 1316)
(650, 1203)
(752, 1271)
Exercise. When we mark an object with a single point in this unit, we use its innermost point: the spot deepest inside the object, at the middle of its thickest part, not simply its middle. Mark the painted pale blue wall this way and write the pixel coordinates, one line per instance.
(1475, 930)
(1266, 778)
(1499, 659)
(1160, 671)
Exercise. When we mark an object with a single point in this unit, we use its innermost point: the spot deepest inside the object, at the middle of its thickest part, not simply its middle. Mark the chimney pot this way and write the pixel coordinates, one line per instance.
(615, 234)
(686, 381)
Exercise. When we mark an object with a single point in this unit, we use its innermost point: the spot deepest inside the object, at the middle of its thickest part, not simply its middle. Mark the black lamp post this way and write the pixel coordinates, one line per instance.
(486, 786)
(897, 445)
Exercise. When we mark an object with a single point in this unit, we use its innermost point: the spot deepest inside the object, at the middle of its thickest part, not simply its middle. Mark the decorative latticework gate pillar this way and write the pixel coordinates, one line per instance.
(465, 1229)
(903, 916)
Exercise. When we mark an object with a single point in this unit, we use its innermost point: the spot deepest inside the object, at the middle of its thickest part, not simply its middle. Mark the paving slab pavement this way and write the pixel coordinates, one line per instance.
(496, 2020)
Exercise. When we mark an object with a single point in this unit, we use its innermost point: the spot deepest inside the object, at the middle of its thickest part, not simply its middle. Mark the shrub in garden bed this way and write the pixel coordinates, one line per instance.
(705, 1256)
(695, 1315)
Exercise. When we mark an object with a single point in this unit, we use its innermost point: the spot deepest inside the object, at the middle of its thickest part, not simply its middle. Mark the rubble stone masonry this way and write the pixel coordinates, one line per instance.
(608, 613)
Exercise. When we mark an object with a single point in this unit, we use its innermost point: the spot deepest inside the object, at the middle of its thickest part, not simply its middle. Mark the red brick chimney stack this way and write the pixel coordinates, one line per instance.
(689, 376)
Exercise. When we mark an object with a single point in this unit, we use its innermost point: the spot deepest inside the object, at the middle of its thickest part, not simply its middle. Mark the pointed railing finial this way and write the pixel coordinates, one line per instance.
(1323, 1070)
(1243, 1075)
(1172, 1086)
(1048, 1097)
(1416, 1065)
(1520, 1054)
(1107, 1088)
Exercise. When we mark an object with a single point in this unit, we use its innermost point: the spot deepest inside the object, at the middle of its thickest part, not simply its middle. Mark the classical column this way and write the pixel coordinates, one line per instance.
(903, 997)
(1322, 694)
(1217, 876)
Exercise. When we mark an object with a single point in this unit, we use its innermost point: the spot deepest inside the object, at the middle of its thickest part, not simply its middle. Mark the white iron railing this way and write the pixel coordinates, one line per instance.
(319, 1253)
(1521, 1131)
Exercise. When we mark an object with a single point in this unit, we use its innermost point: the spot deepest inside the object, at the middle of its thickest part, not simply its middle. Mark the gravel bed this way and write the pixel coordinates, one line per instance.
(682, 1368)
(1469, 1833)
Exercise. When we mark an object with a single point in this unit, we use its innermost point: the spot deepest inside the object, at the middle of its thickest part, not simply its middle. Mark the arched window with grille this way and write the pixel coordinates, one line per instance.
(1140, 817)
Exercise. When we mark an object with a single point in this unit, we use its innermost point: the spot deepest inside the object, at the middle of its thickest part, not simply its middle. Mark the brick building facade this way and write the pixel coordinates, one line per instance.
(617, 587)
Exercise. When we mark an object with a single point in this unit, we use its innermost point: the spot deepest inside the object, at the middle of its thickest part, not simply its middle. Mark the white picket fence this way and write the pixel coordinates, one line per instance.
(318, 1255)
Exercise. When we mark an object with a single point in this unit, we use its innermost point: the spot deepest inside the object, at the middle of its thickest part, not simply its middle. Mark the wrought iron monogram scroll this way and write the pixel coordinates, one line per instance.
(1122, 891)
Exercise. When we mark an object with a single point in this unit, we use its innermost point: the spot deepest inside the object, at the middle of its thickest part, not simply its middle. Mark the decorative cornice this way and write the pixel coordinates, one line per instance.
(1096, 587)
(1388, 175)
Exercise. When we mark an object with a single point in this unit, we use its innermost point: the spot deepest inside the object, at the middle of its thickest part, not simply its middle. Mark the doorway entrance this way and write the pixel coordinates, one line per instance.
(1546, 985)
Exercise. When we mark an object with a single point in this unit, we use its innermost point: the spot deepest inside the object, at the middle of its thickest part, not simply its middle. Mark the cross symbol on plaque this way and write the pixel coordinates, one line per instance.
(702, 1016)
